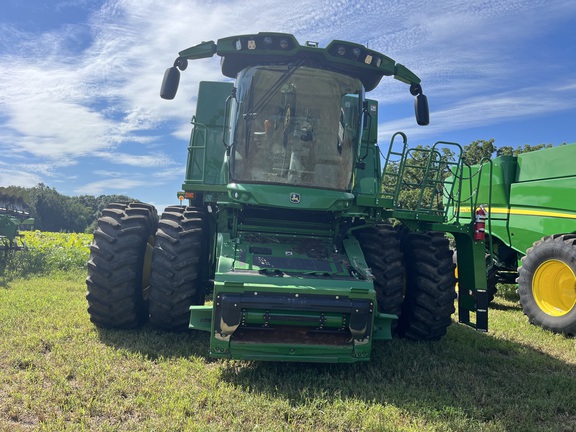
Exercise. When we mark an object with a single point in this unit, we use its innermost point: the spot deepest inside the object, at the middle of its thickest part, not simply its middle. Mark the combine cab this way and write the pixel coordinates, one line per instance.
(288, 226)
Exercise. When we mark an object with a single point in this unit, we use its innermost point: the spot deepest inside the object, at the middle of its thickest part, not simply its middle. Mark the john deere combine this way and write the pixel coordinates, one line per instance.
(532, 229)
(11, 221)
(287, 226)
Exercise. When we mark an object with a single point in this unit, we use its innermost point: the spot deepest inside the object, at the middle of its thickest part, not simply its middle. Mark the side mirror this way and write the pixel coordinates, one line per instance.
(421, 109)
(170, 83)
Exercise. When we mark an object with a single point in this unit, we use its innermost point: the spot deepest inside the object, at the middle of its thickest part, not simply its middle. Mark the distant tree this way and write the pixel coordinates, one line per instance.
(478, 150)
(53, 211)
(511, 151)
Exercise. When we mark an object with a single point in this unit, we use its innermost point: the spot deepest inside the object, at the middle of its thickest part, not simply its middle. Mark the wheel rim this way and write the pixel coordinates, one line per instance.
(554, 288)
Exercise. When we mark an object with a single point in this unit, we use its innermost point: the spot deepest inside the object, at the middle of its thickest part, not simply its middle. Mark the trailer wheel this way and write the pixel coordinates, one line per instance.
(382, 252)
(119, 265)
(179, 266)
(430, 286)
(547, 283)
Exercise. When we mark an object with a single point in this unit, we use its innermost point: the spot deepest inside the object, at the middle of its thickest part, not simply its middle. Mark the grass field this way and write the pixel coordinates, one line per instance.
(59, 372)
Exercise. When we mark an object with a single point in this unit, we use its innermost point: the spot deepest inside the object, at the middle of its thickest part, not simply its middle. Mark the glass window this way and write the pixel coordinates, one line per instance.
(296, 126)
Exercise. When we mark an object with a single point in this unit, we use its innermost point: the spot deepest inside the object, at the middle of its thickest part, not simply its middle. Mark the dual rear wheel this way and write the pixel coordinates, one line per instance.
(413, 278)
(141, 267)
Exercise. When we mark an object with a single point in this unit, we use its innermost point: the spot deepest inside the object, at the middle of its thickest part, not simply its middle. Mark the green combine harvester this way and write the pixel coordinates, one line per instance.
(287, 228)
(532, 229)
(12, 220)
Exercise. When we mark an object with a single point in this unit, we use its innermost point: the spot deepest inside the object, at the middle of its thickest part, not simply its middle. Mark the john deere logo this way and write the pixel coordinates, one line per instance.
(295, 198)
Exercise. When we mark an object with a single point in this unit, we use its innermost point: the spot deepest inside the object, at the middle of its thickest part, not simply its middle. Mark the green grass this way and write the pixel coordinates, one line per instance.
(59, 372)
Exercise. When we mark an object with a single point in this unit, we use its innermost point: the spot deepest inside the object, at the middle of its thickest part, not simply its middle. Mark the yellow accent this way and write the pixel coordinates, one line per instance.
(496, 210)
(554, 288)
(502, 210)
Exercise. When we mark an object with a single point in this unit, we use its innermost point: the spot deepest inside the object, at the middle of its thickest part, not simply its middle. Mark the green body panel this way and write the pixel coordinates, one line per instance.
(290, 196)
(528, 196)
(290, 280)
(206, 149)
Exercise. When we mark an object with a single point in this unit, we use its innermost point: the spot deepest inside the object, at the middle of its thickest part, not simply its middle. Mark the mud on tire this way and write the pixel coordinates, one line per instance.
(118, 270)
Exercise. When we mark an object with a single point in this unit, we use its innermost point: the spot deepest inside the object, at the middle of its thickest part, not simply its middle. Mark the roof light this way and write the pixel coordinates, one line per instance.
(378, 61)
(251, 44)
(268, 41)
(238, 45)
(368, 59)
(356, 52)
(341, 50)
(284, 43)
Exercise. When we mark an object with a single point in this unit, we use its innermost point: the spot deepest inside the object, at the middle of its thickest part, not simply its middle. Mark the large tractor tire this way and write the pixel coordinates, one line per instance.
(179, 267)
(119, 265)
(430, 286)
(382, 252)
(547, 283)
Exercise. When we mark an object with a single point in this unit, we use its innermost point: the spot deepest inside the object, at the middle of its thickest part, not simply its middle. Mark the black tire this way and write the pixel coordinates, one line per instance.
(546, 283)
(118, 267)
(179, 267)
(491, 279)
(382, 252)
(430, 286)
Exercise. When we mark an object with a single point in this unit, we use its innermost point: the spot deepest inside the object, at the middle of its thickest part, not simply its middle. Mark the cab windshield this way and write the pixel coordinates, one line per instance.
(296, 125)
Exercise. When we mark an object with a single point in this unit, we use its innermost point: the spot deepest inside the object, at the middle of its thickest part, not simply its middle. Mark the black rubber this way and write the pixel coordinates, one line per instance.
(430, 286)
(179, 267)
(117, 277)
(556, 247)
(382, 252)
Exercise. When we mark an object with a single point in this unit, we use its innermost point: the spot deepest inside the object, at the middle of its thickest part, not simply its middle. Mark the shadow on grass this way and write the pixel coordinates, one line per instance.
(467, 375)
(154, 343)
(481, 378)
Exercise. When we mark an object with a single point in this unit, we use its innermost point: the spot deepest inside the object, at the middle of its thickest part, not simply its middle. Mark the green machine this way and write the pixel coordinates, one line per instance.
(287, 234)
(11, 221)
(532, 229)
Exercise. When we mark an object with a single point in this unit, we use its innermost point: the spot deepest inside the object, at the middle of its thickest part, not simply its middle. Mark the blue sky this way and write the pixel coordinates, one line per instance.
(79, 89)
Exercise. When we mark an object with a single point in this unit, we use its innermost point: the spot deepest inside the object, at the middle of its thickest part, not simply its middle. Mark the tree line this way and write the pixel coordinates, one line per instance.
(55, 212)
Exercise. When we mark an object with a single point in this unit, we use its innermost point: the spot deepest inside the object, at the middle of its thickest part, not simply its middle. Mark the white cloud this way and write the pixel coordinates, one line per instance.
(111, 186)
(15, 177)
(91, 89)
(144, 161)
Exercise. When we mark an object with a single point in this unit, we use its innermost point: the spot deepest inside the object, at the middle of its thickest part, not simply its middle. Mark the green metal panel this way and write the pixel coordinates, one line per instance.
(367, 176)
(541, 207)
(206, 150)
(294, 197)
(531, 195)
(548, 163)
